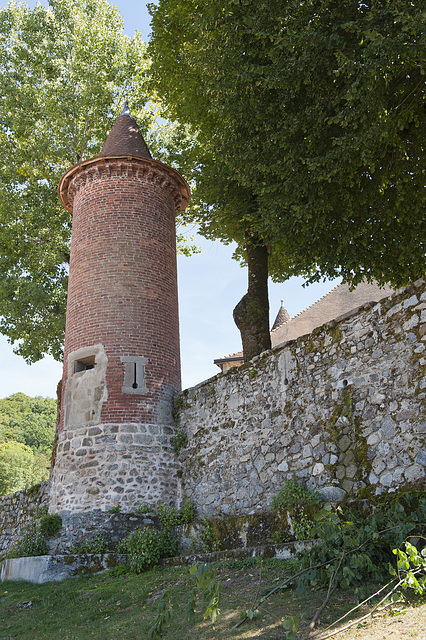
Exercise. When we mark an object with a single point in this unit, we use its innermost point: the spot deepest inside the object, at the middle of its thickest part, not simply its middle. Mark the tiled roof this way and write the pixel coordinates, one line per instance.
(125, 138)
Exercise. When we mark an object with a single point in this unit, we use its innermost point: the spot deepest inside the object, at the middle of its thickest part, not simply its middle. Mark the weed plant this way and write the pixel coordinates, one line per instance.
(31, 539)
(49, 524)
(96, 544)
(30, 543)
(145, 547)
(294, 494)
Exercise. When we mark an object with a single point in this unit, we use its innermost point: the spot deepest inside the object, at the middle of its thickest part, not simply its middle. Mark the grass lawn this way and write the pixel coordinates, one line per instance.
(111, 606)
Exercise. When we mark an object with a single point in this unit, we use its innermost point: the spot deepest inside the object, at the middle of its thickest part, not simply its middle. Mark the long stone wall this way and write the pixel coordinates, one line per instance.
(17, 509)
(342, 408)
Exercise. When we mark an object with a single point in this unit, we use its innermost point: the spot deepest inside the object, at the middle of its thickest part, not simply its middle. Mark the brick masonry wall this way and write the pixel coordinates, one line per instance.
(342, 408)
(123, 283)
(16, 510)
(114, 441)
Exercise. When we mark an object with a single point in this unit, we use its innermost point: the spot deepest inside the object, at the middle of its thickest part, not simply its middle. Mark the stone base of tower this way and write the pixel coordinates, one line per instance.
(101, 466)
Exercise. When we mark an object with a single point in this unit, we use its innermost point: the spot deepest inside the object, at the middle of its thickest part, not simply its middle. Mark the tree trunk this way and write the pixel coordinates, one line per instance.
(251, 315)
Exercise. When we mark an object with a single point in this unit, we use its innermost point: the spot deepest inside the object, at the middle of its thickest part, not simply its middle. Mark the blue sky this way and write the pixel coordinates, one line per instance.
(210, 285)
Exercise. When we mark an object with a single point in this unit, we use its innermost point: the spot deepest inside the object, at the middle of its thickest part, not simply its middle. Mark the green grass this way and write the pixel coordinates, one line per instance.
(110, 606)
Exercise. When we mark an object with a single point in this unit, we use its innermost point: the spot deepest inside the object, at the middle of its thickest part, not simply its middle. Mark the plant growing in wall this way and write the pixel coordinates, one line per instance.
(295, 506)
(49, 524)
(145, 547)
(91, 544)
(179, 440)
(210, 542)
(31, 540)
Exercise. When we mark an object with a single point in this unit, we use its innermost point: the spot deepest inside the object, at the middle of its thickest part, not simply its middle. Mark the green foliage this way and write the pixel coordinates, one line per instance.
(303, 525)
(207, 589)
(49, 524)
(96, 543)
(115, 509)
(169, 516)
(146, 546)
(301, 503)
(294, 493)
(360, 544)
(30, 421)
(179, 440)
(291, 625)
(30, 543)
(210, 543)
(410, 568)
(144, 507)
(19, 467)
(172, 517)
(289, 148)
(187, 512)
(31, 539)
(66, 71)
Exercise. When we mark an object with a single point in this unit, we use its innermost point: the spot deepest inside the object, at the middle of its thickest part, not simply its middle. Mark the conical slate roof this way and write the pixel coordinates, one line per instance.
(125, 138)
(282, 317)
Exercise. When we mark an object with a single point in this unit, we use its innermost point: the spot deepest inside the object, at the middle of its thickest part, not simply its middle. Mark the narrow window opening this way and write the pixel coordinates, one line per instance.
(134, 374)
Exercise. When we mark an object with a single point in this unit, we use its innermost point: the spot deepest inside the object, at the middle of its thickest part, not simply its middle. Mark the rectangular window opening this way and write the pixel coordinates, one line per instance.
(84, 364)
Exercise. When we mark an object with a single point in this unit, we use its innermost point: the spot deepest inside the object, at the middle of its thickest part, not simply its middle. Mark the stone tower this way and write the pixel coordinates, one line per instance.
(121, 355)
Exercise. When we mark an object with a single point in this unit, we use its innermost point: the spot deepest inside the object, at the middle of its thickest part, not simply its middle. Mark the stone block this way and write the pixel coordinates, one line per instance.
(140, 438)
(332, 493)
(414, 472)
(318, 469)
(344, 443)
(421, 457)
(386, 479)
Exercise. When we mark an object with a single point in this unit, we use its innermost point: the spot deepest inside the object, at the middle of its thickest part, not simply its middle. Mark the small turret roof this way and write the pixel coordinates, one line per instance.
(125, 138)
(282, 317)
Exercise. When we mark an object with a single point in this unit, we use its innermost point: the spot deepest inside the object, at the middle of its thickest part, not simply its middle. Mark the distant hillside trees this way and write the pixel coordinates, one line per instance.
(27, 432)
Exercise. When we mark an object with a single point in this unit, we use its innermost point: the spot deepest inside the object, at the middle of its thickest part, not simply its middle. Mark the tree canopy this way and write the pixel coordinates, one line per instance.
(64, 74)
(310, 123)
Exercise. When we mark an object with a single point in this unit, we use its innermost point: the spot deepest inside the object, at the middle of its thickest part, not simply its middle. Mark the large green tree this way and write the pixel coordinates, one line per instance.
(64, 74)
(309, 118)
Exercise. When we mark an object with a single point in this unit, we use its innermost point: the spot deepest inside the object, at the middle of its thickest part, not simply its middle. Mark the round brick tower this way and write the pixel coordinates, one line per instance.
(121, 354)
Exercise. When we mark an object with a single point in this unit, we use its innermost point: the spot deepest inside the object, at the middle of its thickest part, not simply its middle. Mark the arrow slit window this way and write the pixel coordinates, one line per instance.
(134, 375)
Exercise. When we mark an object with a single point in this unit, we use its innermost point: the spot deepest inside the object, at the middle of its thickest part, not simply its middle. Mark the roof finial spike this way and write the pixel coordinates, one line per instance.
(126, 110)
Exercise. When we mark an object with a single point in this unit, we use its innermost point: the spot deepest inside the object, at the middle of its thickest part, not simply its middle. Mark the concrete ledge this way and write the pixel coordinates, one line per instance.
(283, 551)
(41, 569)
